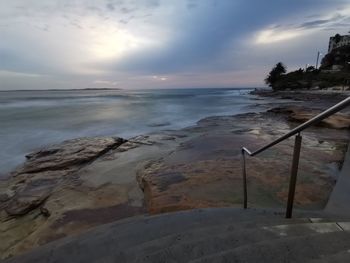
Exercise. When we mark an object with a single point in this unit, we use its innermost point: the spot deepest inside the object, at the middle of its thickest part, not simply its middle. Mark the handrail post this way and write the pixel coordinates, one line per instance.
(245, 194)
(293, 176)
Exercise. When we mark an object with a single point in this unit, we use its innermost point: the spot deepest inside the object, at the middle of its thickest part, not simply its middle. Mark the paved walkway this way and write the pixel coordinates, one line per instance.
(339, 201)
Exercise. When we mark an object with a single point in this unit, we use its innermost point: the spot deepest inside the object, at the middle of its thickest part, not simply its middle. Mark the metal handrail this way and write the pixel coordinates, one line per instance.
(296, 131)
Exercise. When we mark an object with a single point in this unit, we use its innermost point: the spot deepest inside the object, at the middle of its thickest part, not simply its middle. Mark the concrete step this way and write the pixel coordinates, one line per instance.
(151, 233)
(112, 238)
(195, 247)
(340, 257)
(289, 249)
(200, 233)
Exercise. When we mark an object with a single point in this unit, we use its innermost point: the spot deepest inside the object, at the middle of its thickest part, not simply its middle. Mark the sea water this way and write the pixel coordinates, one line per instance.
(30, 120)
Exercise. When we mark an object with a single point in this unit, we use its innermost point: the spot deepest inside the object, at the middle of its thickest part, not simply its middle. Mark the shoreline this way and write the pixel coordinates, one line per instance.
(120, 89)
(87, 89)
(170, 170)
(47, 119)
(326, 97)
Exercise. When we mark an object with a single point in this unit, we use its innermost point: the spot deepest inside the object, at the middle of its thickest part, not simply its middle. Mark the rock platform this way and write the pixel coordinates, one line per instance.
(69, 188)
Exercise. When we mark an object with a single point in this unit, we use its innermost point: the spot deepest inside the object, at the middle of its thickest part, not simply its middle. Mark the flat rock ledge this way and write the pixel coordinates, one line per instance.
(34, 181)
(68, 155)
(70, 187)
(205, 170)
(300, 114)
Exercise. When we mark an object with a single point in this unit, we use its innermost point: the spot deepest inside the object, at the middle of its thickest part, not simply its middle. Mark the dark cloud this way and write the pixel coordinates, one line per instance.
(192, 4)
(126, 10)
(122, 21)
(315, 23)
(206, 33)
(43, 27)
(153, 3)
(110, 6)
(336, 20)
(76, 23)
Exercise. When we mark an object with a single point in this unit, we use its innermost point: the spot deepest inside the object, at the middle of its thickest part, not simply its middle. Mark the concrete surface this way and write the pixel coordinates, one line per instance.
(339, 201)
(202, 235)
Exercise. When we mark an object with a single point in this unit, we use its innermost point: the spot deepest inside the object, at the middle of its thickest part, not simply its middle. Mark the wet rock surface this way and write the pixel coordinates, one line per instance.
(206, 169)
(301, 114)
(68, 188)
(68, 155)
(48, 187)
(26, 201)
(314, 98)
(46, 169)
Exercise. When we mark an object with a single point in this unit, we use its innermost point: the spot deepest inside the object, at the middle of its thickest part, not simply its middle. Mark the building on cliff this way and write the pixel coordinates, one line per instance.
(338, 41)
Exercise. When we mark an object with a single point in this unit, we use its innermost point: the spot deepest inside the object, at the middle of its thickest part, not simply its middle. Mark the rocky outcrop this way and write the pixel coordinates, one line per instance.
(336, 121)
(46, 169)
(69, 155)
(312, 98)
(205, 171)
(73, 186)
(300, 114)
(26, 201)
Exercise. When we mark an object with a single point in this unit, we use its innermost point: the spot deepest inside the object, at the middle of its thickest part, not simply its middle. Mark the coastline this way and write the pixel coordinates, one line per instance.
(87, 89)
(195, 167)
(50, 118)
(319, 98)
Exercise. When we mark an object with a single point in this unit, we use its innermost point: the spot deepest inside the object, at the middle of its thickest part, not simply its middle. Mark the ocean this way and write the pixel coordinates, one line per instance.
(30, 120)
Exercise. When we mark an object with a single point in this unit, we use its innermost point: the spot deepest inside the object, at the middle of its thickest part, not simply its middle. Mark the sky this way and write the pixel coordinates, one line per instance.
(144, 44)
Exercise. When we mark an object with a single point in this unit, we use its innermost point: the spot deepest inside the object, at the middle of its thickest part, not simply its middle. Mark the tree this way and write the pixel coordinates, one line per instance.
(337, 38)
(275, 74)
(310, 69)
(300, 71)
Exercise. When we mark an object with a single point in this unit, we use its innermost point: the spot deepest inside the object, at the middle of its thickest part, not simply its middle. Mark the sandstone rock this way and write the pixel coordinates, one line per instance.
(6, 195)
(46, 169)
(135, 142)
(336, 121)
(45, 212)
(23, 203)
(298, 114)
(326, 98)
(284, 110)
(54, 194)
(205, 170)
(68, 154)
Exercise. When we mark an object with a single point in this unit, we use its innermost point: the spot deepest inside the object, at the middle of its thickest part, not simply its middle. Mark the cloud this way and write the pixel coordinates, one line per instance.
(336, 19)
(280, 32)
(276, 35)
(192, 4)
(131, 41)
(106, 82)
(212, 28)
(315, 23)
(5, 73)
(110, 6)
(161, 78)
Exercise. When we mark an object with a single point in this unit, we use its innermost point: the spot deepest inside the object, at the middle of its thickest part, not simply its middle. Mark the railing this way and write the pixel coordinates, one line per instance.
(296, 154)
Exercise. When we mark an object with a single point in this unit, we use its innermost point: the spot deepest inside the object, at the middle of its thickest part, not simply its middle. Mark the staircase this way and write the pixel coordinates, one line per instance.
(206, 235)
